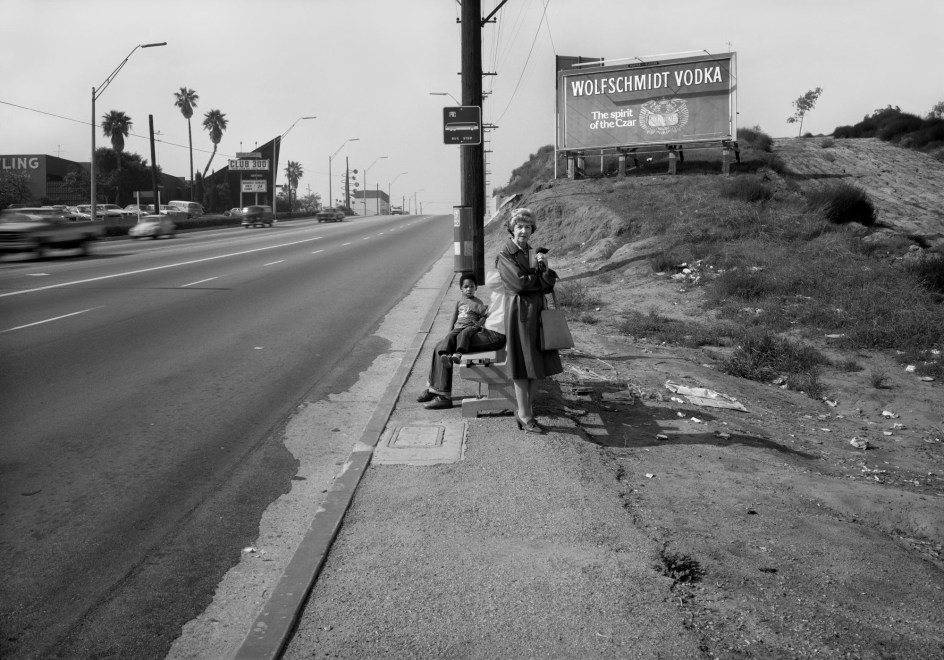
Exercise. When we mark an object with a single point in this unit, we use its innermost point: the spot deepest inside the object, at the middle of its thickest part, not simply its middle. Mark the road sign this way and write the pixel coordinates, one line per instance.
(462, 125)
(243, 164)
(254, 186)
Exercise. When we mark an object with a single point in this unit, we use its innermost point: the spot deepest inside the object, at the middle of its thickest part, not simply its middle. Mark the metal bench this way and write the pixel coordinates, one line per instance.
(487, 369)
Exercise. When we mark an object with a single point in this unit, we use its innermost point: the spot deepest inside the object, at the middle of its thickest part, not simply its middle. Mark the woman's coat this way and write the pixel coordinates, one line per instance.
(525, 287)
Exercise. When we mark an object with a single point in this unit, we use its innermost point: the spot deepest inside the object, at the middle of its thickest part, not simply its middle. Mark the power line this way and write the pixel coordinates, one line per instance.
(85, 123)
(527, 60)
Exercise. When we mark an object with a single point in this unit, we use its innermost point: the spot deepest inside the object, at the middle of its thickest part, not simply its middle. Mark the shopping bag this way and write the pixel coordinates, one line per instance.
(555, 334)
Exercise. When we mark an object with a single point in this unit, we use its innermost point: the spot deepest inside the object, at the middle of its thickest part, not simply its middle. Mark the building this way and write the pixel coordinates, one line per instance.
(47, 180)
(370, 202)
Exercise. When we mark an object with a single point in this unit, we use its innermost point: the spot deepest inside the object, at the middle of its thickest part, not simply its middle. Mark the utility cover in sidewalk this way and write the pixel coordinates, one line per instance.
(420, 444)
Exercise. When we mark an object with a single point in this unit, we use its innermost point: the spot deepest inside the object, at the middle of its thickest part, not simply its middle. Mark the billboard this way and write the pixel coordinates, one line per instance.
(670, 101)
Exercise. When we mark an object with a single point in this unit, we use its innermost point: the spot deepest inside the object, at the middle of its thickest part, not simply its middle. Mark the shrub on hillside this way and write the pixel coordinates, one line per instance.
(929, 271)
(755, 138)
(896, 127)
(842, 203)
(764, 357)
(746, 188)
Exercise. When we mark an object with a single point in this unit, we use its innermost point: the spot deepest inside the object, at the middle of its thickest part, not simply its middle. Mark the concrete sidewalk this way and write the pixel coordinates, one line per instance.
(517, 548)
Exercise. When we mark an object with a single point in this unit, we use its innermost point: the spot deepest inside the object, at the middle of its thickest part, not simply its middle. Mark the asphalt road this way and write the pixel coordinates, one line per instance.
(143, 390)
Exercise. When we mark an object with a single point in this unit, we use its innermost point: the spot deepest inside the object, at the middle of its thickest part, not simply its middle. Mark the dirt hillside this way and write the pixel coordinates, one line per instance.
(786, 540)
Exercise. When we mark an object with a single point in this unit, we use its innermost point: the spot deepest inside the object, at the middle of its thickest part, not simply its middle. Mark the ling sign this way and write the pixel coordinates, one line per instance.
(672, 101)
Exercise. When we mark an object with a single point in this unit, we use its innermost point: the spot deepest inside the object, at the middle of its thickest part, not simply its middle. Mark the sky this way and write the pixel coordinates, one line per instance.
(366, 69)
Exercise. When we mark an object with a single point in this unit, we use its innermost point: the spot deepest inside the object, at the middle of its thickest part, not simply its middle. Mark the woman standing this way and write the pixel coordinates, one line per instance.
(526, 280)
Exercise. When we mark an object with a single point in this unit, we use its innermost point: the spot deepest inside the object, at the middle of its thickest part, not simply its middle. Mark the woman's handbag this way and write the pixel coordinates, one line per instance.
(555, 334)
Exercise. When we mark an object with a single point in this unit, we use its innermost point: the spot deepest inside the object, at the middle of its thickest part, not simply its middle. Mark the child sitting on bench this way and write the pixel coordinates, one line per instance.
(489, 336)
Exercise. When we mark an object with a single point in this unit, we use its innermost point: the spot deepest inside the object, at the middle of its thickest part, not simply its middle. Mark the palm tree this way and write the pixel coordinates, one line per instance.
(187, 101)
(215, 123)
(293, 172)
(115, 126)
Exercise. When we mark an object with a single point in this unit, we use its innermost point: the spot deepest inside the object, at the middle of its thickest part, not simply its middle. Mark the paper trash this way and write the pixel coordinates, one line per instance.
(701, 396)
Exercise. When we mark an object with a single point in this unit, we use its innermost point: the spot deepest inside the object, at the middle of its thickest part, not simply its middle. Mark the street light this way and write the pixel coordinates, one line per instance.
(391, 183)
(275, 169)
(96, 92)
(445, 94)
(365, 181)
(330, 158)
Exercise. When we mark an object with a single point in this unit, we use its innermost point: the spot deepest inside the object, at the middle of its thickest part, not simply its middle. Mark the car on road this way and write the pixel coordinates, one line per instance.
(330, 214)
(257, 216)
(153, 226)
(233, 211)
(37, 229)
(396, 210)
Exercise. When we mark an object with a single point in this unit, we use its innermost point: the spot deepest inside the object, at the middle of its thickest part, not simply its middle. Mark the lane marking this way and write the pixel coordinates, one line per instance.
(57, 318)
(209, 279)
(272, 263)
(317, 251)
(149, 270)
(343, 244)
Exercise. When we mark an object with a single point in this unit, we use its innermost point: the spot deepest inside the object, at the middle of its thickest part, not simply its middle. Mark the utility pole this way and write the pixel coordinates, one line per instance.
(472, 156)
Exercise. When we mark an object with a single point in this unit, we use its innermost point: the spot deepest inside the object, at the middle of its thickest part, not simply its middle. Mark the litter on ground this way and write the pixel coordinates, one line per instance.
(702, 396)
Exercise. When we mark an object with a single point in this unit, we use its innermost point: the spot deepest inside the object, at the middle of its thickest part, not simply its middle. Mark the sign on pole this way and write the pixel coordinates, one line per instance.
(243, 164)
(462, 125)
(254, 185)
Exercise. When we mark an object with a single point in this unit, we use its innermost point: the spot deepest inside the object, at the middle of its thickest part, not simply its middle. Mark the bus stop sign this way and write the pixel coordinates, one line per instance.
(462, 125)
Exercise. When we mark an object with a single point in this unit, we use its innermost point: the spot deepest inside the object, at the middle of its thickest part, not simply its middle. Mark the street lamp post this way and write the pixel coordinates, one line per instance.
(365, 181)
(275, 169)
(391, 184)
(446, 94)
(330, 158)
(97, 92)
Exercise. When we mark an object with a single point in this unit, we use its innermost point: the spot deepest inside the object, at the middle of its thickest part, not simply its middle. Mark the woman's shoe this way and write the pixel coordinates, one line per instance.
(530, 426)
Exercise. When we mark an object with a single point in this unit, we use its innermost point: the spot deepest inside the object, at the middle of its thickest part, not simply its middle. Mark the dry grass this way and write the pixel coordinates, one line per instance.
(792, 251)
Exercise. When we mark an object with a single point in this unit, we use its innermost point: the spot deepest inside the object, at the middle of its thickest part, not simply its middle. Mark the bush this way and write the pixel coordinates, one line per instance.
(574, 295)
(746, 188)
(755, 138)
(929, 271)
(764, 357)
(842, 203)
(895, 128)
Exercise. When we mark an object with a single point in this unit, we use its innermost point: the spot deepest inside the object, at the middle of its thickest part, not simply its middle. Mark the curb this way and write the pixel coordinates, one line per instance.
(274, 625)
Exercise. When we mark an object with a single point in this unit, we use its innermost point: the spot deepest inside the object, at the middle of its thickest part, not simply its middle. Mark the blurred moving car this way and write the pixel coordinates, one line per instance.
(257, 216)
(37, 229)
(153, 226)
(330, 214)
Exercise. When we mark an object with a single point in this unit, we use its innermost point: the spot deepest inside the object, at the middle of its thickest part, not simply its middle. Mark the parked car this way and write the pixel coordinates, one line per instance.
(110, 210)
(330, 214)
(172, 211)
(134, 211)
(257, 216)
(154, 226)
(233, 211)
(85, 211)
(192, 209)
(36, 229)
